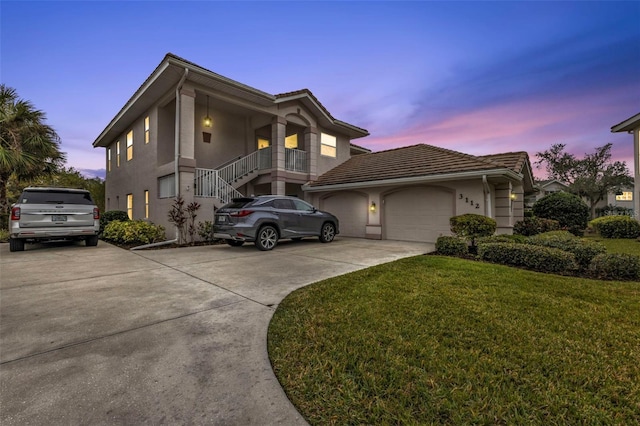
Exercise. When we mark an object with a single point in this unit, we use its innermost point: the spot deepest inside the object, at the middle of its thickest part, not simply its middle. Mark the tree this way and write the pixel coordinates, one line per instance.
(591, 178)
(29, 148)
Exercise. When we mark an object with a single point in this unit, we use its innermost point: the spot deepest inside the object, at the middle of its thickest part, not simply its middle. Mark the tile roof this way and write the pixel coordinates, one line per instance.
(415, 161)
(513, 160)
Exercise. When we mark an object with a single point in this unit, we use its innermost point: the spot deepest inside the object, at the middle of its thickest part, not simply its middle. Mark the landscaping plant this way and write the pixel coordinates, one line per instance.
(568, 209)
(133, 232)
(616, 227)
(472, 226)
(110, 216)
(451, 246)
(535, 225)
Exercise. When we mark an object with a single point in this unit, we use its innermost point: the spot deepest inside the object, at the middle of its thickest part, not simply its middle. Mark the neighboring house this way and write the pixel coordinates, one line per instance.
(544, 187)
(190, 132)
(632, 125)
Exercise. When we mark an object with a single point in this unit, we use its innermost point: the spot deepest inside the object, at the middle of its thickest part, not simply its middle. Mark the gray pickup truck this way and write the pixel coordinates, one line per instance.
(47, 214)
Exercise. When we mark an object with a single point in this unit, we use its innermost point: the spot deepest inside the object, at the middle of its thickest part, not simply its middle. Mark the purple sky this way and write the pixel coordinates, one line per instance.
(477, 77)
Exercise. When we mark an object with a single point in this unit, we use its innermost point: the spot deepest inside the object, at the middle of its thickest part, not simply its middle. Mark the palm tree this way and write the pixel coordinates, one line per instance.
(29, 148)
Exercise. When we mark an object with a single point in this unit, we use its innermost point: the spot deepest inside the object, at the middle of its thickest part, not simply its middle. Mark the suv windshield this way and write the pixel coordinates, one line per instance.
(56, 197)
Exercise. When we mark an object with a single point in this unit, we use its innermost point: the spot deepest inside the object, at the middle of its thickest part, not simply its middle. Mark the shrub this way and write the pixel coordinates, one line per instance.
(614, 210)
(205, 231)
(4, 236)
(502, 239)
(583, 250)
(472, 226)
(111, 215)
(615, 266)
(451, 246)
(568, 209)
(535, 225)
(536, 258)
(133, 232)
(616, 227)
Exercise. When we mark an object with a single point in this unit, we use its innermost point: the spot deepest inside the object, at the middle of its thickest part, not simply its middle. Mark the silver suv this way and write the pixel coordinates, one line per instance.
(43, 214)
(268, 218)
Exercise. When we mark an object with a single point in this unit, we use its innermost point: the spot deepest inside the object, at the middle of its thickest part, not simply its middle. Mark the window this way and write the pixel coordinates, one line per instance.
(166, 186)
(146, 130)
(108, 159)
(130, 145)
(146, 204)
(291, 141)
(130, 206)
(263, 143)
(118, 154)
(625, 196)
(327, 145)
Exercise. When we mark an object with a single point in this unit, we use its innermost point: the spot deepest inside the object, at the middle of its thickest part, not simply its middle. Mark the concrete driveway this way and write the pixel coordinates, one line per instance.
(101, 335)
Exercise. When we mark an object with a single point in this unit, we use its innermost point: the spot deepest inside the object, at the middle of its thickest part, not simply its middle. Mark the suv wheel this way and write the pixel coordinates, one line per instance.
(328, 233)
(234, 243)
(91, 241)
(267, 238)
(16, 244)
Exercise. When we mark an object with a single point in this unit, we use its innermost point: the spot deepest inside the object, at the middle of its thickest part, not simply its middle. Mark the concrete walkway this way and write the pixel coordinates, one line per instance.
(101, 335)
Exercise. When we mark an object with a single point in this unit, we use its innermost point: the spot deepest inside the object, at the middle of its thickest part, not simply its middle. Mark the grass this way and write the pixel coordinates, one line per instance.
(618, 245)
(437, 340)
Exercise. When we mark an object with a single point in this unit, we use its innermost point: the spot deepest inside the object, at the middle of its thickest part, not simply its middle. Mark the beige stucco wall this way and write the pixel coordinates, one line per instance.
(504, 208)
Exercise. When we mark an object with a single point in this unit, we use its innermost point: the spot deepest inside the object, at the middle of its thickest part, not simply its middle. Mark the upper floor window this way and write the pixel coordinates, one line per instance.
(118, 154)
(108, 159)
(625, 196)
(291, 141)
(146, 129)
(327, 145)
(130, 145)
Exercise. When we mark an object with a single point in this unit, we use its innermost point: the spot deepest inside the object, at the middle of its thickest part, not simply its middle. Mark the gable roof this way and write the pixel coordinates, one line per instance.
(172, 69)
(627, 125)
(419, 161)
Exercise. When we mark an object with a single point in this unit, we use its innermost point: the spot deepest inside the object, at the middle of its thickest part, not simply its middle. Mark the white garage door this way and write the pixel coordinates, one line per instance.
(351, 210)
(418, 214)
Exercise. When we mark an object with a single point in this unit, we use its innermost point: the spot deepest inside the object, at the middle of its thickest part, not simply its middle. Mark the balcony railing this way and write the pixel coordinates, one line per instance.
(295, 160)
(210, 183)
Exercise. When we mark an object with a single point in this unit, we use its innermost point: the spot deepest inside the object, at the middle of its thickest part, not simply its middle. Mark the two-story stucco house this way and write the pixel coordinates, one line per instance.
(190, 132)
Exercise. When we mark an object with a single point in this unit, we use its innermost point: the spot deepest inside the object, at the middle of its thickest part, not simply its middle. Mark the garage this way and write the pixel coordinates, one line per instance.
(418, 213)
(351, 210)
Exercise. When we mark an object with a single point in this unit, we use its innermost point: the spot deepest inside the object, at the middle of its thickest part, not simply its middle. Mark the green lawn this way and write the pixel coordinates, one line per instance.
(629, 246)
(437, 340)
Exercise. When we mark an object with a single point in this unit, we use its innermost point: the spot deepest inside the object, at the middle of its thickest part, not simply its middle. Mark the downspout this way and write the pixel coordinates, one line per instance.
(177, 168)
(177, 141)
(487, 196)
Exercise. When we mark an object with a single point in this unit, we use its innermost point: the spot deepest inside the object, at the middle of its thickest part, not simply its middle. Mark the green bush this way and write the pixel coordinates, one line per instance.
(615, 266)
(110, 216)
(568, 209)
(451, 246)
(616, 227)
(535, 225)
(472, 226)
(205, 231)
(133, 232)
(502, 239)
(583, 250)
(4, 236)
(536, 258)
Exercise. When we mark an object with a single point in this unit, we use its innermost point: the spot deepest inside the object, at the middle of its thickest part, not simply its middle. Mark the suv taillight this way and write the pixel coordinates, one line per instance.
(96, 213)
(241, 213)
(15, 213)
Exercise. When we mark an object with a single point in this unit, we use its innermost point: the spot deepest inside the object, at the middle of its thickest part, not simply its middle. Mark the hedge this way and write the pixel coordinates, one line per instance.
(583, 250)
(110, 216)
(451, 246)
(616, 227)
(615, 266)
(568, 209)
(535, 225)
(536, 258)
(133, 232)
(472, 226)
